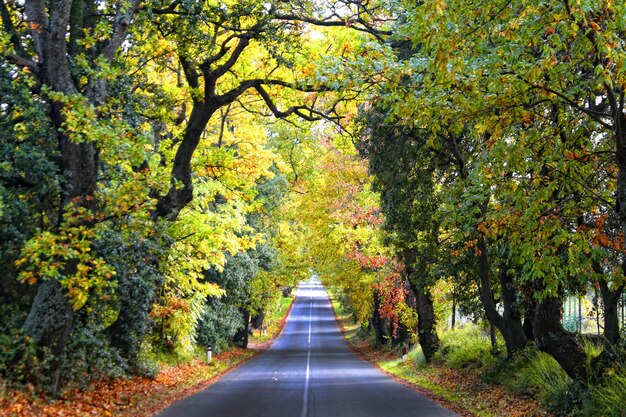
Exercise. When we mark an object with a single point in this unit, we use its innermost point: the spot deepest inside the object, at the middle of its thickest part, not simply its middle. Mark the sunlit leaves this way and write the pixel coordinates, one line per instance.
(66, 256)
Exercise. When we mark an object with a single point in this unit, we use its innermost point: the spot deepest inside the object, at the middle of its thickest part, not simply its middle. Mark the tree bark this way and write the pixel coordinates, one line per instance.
(453, 320)
(378, 323)
(49, 323)
(257, 321)
(610, 300)
(514, 335)
(510, 323)
(240, 338)
(426, 320)
(181, 190)
(553, 339)
(529, 319)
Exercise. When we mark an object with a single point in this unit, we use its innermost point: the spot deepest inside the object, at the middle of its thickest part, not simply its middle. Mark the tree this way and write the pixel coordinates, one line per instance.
(488, 72)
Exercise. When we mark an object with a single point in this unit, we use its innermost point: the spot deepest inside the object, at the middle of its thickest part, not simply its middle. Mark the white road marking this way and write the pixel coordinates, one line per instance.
(305, 394)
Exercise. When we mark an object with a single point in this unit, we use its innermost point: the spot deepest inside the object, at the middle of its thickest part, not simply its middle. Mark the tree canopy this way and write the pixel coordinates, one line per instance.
(168, 168)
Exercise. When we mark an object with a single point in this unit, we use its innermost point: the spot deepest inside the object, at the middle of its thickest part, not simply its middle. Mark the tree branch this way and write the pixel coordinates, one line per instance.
(7, 24)
(354, 23)
(190, 72)
(591, 113)
(37, 23)
(23, 62)
(244, 41)
(16, 182)
(122, 21)
(206, 64)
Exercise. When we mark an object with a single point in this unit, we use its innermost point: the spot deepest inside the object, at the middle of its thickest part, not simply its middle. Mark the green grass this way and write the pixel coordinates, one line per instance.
(467, 346)
(609, 398)
(417, 372)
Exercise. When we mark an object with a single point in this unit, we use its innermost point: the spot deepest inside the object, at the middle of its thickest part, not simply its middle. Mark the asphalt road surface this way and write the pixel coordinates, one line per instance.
(308, 372)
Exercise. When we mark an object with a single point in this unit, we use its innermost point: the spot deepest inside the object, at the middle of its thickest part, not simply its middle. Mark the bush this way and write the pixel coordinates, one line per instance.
(219, 322)
(19, 362)
(89, 355)
(136, 262)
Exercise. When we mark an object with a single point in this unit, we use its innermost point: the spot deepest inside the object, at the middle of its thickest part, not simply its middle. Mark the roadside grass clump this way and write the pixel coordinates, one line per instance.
(542, 376)
(609, 398)
(466, 346)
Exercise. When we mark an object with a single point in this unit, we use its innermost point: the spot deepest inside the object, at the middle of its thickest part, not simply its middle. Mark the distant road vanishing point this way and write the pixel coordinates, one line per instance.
(308, 372)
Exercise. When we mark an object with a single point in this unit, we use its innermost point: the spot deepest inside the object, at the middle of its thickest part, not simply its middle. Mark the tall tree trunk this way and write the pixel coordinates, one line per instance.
(241, 337)
(514, 335)
(493, 337)
(424, 306)
(49, 323)
(510, 324)
(181, 191)
(378, 323)
(529, 319)
(50, 319)
(51, 24)
(553, 339)
(610, 301)
(426, 322)
(453, 320)
(257, 321)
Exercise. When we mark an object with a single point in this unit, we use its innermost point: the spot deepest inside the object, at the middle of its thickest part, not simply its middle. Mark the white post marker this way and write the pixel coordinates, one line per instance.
(209, 354)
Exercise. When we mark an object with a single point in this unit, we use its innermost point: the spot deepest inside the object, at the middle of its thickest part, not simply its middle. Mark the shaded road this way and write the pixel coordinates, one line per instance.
(308, 372)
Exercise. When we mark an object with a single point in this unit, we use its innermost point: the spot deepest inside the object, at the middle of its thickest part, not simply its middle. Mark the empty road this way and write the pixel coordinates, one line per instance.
(308, 372)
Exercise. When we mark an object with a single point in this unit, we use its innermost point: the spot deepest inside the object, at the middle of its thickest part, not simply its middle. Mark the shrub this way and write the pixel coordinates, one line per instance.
(89, 355)
(20, 363)
(219, 322)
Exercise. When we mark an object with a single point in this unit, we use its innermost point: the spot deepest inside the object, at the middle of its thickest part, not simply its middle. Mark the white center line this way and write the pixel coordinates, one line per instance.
(310, 320)
(305, 394)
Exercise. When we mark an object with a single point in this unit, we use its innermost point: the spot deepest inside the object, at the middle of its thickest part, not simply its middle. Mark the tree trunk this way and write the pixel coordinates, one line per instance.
(241, 337)
(49, 323)
(453, 320)
(378, 323)
(424, 306)
(511, 327)
(52, 24)
(257, 321)
(553, 339)
(529, 319)
(514, 335)
(493, 337)
(610, 301)
(426, 323)
(181, 190)
(50, 319)
(510, 324)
